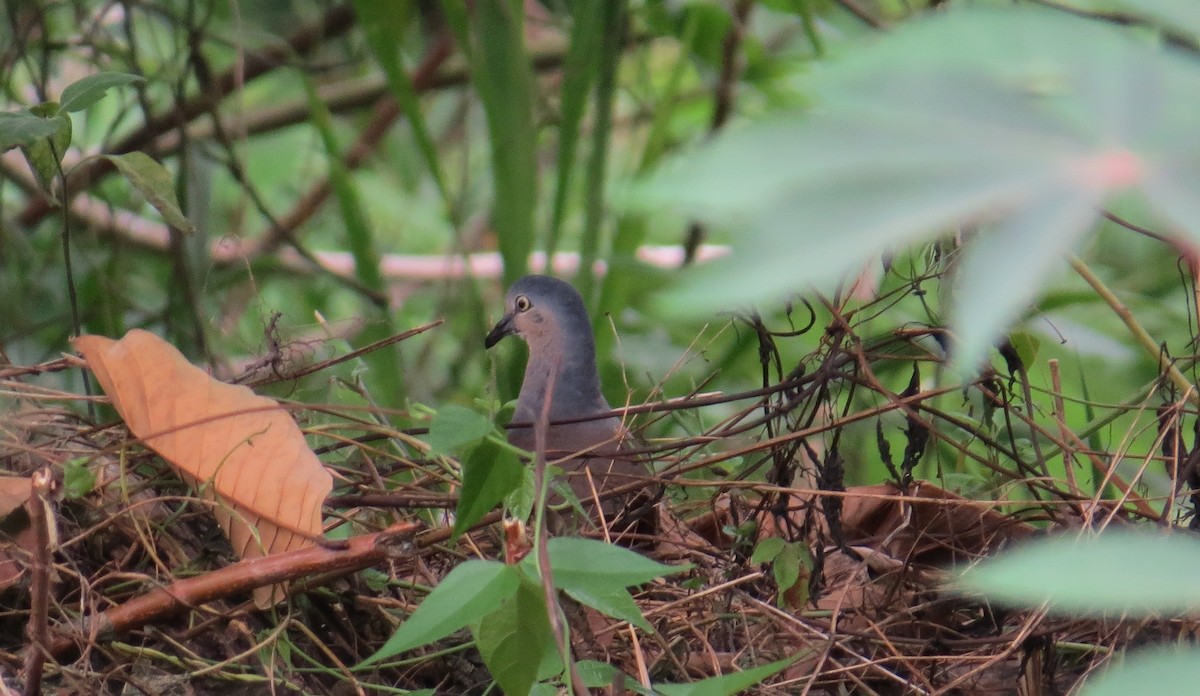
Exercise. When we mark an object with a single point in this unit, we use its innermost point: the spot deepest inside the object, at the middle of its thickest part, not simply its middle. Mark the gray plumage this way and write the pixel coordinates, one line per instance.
(549, 315)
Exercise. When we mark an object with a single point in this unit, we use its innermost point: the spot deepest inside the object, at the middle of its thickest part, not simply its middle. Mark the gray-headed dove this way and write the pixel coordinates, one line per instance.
(549, 315)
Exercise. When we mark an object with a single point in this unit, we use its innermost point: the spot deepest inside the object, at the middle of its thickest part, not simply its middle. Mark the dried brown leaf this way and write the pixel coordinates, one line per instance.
(241, 450)
(935, 527)
(15, 492)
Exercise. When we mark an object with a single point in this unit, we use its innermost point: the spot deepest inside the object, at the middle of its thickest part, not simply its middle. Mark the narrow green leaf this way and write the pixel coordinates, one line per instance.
(597, 171)
(383, 23)
(82, 93)
(516, 642)
(490, 473)
(460, 23)
(805, 10)
(728, 684)
(454, 428)
(153, 181)
(592, 565)
(21, 128)
(466, 595)
(1168, 671)
(358, 230)
(503, 76)
(579, 69)
(617, 603)
(626, 275)
(1118, 572)
(385, 365)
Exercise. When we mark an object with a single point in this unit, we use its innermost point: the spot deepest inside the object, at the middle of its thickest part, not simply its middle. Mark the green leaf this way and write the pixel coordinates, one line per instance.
(383, 23)
(592, 565)
(454, 428)
(579, 70)
(1026, 344)
(78, 479)
(384, 363)
(1174, 14)
(792, 558)
(1037, 119)
(767, 550)
(1001, 271)
(728, 684)
(81, 94)
(1172, 671)
(786, 568)
(153, 181)
(519, 502)
(516, 642)
(466, 595)
(44, 155)
(376, 580)
(596, 674)
(1119, 571)
(617, 603)
(490, 472)
(596, 212)
(22, 128)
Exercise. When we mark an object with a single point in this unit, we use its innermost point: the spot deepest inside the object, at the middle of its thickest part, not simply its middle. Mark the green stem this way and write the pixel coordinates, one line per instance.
(1143, 337)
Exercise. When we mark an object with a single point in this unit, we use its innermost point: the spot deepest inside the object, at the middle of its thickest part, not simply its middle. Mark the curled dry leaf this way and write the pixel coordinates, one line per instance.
(15, 531)
(242, 451)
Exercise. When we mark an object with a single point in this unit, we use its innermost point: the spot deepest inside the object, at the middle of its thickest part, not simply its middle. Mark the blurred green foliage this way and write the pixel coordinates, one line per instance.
(304, 144)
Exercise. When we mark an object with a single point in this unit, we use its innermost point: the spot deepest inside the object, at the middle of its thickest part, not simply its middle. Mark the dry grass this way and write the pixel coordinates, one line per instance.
(871, 616)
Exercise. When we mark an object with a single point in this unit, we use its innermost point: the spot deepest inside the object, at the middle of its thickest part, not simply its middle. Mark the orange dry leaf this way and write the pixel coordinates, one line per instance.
(15, 532)
(242, 451)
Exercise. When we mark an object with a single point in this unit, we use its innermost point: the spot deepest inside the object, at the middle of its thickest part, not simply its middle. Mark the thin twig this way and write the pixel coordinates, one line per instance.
(39, 587)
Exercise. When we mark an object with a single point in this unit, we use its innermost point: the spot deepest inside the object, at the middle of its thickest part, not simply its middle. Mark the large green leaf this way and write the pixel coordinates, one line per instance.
(1181, 15)
(466, 595)
(1171, 671)
(490, 472)
(1020, 117)
(516, 642)
(1117, 572)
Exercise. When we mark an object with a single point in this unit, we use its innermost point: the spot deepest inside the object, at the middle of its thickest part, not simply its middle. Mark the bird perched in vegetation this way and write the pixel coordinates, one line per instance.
(549, 315)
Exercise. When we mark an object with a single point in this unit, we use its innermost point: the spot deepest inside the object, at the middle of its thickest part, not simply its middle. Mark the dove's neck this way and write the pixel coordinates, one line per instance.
(565, 373)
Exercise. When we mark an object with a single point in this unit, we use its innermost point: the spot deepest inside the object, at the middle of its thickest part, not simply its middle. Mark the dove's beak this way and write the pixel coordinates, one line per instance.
(505, 327)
